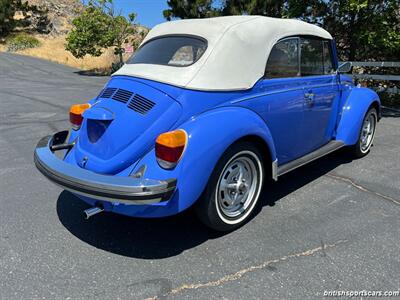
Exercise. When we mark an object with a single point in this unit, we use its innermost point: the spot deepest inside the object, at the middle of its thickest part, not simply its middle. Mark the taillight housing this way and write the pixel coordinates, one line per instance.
(170, 147)
(75, 114)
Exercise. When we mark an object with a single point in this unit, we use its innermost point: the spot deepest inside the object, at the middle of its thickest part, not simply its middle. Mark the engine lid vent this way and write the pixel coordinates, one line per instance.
(141, 104)
(122, 96)
(107, 93)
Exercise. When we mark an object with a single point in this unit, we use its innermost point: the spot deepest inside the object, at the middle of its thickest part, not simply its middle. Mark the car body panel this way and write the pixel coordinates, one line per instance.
(356, 102)
(109, 146)
(305, 127)
(320, 114)
(276, 100)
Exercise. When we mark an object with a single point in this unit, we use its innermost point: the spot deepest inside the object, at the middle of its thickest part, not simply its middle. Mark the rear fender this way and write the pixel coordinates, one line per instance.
(209, 135)
(354, 109)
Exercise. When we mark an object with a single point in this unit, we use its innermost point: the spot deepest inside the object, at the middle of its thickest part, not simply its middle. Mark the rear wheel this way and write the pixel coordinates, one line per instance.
(233, 188)
(367, 133)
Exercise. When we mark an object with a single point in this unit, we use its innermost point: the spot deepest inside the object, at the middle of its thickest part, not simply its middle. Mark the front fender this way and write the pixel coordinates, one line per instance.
(354, 109)
(209, 135)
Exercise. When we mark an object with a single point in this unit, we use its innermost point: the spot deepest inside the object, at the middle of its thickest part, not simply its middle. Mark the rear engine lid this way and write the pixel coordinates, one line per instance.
(123, 124)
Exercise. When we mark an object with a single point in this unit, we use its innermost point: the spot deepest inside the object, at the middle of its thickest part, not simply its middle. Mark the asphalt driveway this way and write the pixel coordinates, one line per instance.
(331, 225)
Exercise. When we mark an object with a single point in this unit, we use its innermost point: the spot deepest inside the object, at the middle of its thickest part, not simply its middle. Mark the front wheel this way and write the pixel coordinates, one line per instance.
(233, 188)
(366, 135)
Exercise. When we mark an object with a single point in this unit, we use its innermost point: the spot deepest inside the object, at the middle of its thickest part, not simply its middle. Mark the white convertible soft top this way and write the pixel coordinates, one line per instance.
(237, 52)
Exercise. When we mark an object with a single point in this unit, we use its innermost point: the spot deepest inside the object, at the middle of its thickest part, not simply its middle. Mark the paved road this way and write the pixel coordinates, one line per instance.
(331, 225)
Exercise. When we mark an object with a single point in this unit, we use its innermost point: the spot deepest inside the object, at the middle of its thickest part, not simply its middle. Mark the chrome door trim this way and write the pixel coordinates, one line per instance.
(301, 161)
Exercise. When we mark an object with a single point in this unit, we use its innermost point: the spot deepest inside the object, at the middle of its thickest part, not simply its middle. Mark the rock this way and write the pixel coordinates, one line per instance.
(57, 18)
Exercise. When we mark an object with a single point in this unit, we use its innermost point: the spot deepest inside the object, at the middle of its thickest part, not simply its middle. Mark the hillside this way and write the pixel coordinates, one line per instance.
(52, 30)
(60, 13)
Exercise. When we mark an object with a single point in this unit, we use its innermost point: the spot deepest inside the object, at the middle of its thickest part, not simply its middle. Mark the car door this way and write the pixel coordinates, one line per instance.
(321, 92)
(281, 103)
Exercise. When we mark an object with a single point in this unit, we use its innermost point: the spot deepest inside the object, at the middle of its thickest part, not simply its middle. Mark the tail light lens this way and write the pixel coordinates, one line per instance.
(75, 114)
(170, 147)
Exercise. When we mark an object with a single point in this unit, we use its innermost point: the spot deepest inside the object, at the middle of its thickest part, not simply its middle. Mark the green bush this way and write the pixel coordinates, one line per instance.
(21, 42)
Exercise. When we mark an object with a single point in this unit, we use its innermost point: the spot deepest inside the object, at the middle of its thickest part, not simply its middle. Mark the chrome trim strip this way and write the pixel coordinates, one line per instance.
(127, 190)
(324, 150)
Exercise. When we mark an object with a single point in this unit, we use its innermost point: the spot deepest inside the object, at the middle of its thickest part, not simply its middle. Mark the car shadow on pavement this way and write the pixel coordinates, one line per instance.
(166, 237)
(292, 181)
(133, 237)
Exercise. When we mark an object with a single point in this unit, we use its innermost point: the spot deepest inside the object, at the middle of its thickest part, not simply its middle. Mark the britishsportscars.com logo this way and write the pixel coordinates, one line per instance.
(363, 293)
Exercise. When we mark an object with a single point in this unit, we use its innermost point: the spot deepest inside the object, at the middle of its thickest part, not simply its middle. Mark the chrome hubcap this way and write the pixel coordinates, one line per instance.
(367, 133)
(237, 186)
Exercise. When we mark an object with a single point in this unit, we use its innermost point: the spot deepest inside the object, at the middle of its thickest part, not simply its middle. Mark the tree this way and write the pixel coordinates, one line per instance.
(363, 29)
(98, 27)
(185, 9)
(254, 7)
(208, 8)
(7, 13)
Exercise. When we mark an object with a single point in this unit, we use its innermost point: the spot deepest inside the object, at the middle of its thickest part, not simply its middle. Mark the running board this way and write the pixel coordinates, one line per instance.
(324, 150)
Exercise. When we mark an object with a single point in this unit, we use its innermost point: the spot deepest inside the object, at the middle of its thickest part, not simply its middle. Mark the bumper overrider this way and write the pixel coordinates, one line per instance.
(127, 190)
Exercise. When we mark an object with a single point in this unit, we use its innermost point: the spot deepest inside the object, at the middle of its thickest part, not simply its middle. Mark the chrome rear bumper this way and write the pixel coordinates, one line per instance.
(119, 189)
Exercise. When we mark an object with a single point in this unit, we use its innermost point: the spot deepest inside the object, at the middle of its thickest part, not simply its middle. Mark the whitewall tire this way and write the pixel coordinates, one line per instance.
(233, 189)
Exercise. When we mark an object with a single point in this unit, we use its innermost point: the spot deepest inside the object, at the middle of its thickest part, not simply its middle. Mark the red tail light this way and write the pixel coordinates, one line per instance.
(75, 114)
(170, 147)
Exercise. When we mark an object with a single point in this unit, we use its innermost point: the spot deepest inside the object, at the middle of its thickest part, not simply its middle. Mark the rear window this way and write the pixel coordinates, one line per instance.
(178, 51)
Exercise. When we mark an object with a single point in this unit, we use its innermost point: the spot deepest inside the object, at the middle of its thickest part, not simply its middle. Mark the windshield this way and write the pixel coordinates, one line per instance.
(179, 51)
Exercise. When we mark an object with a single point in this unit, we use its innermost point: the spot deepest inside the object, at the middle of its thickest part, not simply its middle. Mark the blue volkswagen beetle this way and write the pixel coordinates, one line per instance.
(206, 111)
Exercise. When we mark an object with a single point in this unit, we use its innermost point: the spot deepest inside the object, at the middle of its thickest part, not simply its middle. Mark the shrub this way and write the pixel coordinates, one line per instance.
(21, 42)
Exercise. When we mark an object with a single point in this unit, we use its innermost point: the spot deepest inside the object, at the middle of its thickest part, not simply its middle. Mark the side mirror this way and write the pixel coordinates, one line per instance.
(345, 67)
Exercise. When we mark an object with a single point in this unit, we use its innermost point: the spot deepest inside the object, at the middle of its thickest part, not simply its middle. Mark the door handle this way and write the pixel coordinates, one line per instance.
(309, 99)
(309, 96)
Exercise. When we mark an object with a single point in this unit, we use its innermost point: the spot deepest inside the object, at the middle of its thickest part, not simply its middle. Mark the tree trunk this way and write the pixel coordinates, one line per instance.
(352, 41)
(121, 59)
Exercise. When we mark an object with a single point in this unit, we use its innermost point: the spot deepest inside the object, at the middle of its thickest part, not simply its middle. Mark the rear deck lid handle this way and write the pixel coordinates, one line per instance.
(99, 113)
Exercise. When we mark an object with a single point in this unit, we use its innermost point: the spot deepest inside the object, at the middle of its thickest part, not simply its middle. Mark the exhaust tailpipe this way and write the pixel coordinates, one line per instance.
(92, 211)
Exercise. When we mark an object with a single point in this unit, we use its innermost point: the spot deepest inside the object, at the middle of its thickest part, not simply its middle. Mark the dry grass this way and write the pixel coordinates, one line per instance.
(53, 49)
